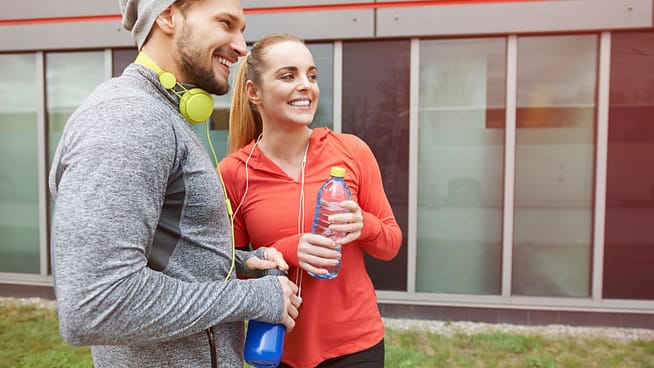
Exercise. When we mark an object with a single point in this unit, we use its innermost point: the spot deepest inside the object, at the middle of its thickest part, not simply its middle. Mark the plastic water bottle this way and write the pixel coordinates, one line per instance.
(331, 194)
(264, 342)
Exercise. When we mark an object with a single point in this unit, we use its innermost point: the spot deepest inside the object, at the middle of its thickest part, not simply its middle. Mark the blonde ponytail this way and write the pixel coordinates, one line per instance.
(244, 122)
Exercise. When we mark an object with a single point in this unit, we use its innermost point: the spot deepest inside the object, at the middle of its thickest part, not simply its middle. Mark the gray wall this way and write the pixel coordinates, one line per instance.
(61, 24)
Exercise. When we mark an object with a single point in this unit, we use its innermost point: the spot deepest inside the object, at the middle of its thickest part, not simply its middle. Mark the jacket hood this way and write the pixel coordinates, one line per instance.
(316, 144)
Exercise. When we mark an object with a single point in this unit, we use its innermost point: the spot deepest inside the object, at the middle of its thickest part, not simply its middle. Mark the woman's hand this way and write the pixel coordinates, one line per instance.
(272, 258)
(351, 223)
(315, 252)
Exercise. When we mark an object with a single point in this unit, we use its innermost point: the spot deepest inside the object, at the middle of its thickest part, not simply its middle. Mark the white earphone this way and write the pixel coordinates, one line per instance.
(300, 217)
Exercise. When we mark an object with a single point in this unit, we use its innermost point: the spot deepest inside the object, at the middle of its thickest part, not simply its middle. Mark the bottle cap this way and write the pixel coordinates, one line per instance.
(337, 171)
(273, 272)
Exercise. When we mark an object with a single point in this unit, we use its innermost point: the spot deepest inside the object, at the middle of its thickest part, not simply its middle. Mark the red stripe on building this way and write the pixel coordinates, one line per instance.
(398, 4)
(269, 10)
(87, 18)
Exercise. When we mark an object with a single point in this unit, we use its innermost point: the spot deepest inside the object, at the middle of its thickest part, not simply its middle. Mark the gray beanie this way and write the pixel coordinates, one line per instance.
(139, 16)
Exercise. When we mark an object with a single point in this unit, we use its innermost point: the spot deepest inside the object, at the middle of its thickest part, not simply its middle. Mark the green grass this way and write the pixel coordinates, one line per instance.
(29, 337)
(499, 349)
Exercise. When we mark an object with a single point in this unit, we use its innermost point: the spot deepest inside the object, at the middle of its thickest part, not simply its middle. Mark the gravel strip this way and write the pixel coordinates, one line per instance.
(37, 302)
(448, 328)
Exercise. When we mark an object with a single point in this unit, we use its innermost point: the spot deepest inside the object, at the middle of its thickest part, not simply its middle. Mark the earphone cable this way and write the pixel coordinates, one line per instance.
(213, 151)
(210, 335)
(300, 218)
(247, 177)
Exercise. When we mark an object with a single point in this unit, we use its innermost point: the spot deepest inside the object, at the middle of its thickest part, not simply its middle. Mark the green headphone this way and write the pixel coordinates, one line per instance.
(195, 104)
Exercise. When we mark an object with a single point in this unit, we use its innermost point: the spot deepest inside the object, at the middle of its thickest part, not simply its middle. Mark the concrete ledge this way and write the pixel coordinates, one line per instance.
(27, 291)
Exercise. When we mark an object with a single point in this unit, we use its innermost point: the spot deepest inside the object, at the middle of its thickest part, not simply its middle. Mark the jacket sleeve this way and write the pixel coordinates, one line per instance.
(233, 178)
(381, 236)
(108, 177)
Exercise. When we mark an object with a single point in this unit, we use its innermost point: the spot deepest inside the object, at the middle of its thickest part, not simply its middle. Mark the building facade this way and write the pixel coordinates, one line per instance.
(512, 136)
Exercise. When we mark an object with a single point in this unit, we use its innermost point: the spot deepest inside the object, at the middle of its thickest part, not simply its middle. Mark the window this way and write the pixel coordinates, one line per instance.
(460, 165)
(323, 56)
(19, 213)
(376, 108)
(555, 117)
(70, 78)
(629, 231)
(121, 59)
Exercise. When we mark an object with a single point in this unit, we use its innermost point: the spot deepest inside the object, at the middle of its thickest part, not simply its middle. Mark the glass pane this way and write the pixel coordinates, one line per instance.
(629, 236)
(121, 59)
(323, 55)
(460, 166)
(19, 213)
(70, 77)
(376, 108)
(554, 165)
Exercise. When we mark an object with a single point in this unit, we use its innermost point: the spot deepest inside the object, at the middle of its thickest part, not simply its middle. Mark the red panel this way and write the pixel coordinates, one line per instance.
(629, 230)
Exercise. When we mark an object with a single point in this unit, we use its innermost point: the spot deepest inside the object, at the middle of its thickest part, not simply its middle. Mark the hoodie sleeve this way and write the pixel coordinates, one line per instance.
(232, 172)
(381, 236)
(108, 176)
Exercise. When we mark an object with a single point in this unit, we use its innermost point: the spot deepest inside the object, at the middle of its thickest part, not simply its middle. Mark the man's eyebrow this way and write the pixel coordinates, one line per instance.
(233, 18)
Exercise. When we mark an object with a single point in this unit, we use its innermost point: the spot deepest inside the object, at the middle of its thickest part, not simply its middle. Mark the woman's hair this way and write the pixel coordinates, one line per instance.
(244, 119)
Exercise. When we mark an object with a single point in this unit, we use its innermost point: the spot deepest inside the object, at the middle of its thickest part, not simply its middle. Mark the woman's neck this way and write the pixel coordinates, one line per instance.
(287, 150)
(284, 145)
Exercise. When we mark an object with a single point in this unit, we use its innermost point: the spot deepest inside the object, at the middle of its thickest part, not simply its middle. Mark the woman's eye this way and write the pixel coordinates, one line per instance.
(287, 77)
(313, 77)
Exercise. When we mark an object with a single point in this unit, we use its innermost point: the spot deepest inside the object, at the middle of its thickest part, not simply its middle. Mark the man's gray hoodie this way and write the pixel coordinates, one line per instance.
(141, 240)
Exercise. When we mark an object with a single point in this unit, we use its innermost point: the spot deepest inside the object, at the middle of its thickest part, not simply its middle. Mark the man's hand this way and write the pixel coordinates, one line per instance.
(291, 302)
(272, 259)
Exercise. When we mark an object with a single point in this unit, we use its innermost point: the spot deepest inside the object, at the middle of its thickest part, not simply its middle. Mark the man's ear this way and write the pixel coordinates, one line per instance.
(252, 92)
(166, 20)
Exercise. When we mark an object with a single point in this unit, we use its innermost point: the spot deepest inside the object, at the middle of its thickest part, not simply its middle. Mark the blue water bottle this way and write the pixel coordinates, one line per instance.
(328, 202)
(264, 341)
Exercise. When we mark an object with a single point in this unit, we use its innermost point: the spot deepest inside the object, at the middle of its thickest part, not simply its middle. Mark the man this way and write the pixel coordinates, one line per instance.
(142, 243)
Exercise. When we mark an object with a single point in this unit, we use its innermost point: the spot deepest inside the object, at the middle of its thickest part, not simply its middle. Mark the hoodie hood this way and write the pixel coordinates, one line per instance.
(259, 161)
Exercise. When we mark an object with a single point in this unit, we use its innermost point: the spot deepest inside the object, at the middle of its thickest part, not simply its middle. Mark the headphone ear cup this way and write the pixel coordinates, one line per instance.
(196, 105)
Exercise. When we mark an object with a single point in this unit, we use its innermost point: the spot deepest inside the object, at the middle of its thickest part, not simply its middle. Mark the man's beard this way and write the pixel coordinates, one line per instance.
(190, 64)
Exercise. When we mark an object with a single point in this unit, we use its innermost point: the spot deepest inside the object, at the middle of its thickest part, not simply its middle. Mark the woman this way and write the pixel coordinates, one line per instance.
(272, 175)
